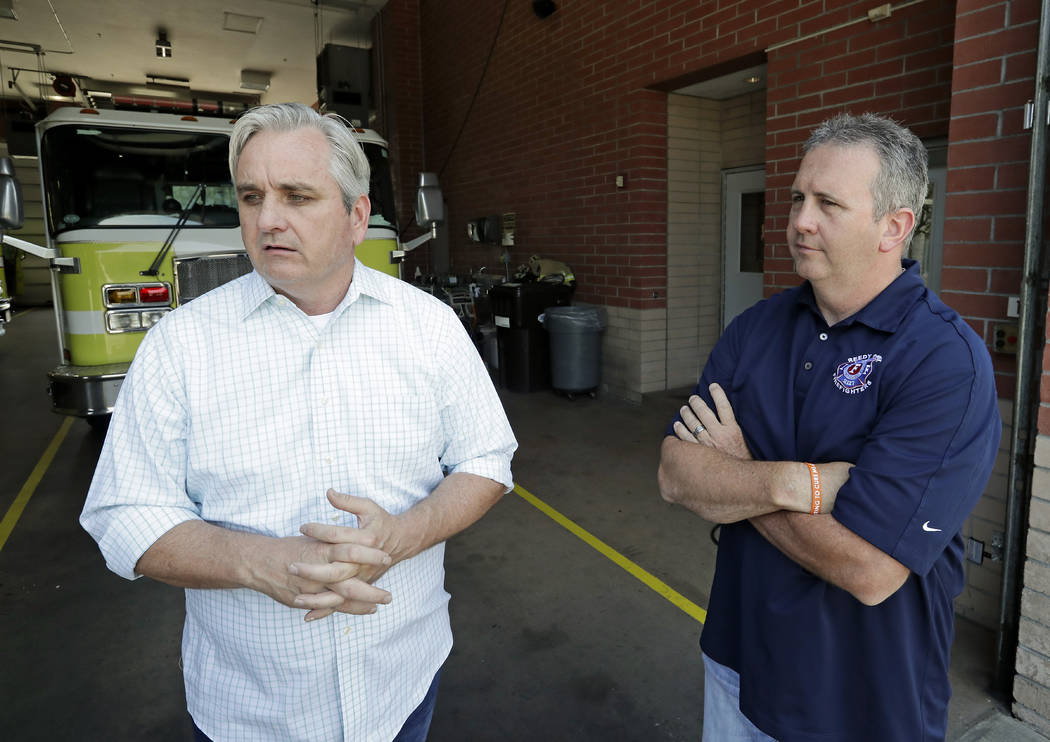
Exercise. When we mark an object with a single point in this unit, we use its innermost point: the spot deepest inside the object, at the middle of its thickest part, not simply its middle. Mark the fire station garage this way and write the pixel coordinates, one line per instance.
(596, 188)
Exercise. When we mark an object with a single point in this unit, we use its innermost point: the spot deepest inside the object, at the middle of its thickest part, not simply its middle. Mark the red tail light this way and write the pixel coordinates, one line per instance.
(154, 295)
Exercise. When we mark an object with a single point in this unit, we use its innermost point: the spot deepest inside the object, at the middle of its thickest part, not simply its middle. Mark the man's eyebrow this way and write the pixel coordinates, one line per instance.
(299, 186)
(817, 194)
(288, 186)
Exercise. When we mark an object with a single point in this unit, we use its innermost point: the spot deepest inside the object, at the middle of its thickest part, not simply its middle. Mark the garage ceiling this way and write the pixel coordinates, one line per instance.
(108, 47)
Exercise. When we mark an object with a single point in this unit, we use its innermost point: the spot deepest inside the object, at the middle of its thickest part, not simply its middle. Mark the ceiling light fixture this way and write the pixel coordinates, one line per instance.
(7, 10)
(162, 44)
(255, 80)
(753, 80)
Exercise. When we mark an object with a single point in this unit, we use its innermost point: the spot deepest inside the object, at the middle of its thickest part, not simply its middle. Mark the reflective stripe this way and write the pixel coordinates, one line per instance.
(85, 323)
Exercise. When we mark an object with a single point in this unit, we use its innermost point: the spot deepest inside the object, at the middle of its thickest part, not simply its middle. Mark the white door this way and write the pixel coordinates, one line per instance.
(743, 239)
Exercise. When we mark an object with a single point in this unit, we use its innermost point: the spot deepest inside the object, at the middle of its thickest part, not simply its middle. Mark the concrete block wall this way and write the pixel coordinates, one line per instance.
(1032, 681)
(693, 236)
(703, 138)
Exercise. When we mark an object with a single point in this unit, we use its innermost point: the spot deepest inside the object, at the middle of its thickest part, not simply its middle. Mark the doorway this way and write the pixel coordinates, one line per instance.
(743, 239)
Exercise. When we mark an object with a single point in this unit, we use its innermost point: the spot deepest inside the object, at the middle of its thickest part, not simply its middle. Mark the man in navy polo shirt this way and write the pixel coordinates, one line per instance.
(842, 432)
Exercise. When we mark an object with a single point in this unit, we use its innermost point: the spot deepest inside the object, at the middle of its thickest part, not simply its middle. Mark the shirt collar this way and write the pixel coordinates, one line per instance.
(366, 282)
(886, 311)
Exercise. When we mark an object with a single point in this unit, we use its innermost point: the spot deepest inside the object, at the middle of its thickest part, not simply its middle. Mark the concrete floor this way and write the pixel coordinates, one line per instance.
(553, 640)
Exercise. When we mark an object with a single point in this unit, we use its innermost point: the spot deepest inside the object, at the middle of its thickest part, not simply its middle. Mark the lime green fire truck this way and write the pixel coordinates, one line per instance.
(141, 216)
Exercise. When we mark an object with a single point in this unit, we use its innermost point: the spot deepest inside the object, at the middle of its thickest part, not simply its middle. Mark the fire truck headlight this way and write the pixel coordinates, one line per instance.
(123, 321)
(152, 317)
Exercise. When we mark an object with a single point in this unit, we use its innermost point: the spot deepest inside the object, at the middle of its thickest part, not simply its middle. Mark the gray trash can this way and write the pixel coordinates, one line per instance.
(576, 348)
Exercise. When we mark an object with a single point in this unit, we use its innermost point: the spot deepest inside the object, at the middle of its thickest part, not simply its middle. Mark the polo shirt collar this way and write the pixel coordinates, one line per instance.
(887, 310)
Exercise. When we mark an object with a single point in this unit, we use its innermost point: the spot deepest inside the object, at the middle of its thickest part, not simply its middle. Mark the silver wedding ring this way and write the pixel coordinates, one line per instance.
(698, 430)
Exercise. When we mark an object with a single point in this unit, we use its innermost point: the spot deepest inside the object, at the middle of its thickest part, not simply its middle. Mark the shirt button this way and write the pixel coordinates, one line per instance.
(823, 336)
(807, 365)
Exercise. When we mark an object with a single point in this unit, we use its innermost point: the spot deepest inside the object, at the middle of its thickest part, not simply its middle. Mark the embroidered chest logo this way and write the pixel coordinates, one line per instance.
(851, 377)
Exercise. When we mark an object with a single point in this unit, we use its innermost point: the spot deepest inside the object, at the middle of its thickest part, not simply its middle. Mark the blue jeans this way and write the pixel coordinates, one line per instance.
(723, 721)
(414, 729)
(417, 724)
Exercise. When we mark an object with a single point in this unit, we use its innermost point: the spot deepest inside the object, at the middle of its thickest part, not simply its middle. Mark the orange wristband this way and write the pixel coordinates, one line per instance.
(814, 479)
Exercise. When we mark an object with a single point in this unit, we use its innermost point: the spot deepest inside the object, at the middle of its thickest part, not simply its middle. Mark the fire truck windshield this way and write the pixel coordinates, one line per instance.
(380, 187)
(108, 176)
(101, 176)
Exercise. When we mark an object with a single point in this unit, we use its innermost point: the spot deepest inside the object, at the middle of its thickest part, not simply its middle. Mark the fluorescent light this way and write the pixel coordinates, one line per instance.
(255, 80)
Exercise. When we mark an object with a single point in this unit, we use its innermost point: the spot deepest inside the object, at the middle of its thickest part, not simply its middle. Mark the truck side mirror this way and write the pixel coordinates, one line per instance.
(12, 215)
(430, 204)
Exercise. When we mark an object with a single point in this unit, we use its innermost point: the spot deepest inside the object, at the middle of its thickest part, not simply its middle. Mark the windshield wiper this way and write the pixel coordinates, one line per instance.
(154, 267)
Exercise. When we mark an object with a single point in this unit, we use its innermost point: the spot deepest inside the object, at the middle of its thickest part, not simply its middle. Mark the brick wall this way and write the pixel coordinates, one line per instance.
(567, 103)
(899, 67)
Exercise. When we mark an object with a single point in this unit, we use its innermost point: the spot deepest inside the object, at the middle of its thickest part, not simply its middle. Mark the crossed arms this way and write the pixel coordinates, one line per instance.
(714, 475)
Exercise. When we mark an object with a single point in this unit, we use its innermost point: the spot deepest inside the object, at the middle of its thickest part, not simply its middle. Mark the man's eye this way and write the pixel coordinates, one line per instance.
(250, 198)
(297, 197)
(827, 202)
(797, 198)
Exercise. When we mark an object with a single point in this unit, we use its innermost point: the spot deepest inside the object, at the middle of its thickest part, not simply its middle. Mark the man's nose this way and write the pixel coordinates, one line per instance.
(803, 217)
(271, 216)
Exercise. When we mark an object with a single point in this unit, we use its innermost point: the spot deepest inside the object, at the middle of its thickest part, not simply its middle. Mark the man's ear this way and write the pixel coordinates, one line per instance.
(359, 215)
(899, 225)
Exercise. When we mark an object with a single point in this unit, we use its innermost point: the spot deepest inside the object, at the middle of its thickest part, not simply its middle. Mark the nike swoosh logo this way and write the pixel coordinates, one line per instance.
(926, 527)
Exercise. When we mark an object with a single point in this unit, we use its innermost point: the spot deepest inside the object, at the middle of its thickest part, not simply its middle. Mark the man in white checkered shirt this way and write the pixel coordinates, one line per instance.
(299, 443)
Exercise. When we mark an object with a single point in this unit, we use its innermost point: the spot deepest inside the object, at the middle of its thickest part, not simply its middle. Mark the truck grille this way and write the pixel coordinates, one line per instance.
(198, 275)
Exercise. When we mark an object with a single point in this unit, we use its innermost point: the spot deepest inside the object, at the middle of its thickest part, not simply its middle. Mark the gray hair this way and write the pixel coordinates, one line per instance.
(903, 179)
(347, 163)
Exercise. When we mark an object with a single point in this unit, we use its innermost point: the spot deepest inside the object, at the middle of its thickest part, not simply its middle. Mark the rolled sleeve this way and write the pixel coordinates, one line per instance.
(479, 437)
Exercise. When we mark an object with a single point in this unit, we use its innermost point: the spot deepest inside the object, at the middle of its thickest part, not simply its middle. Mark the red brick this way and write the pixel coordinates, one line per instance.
(1009, 228)
(992, 256)
(843, 61)
(975, 305)
(963, 154)
(979, 126)
(1007, 281)
(978, 75)
(862, 93)
(980, 22)
(964, 279)
(997, 98)
(1044, 419)
(1002, 43)
(1005, 383)
(1023, 11)
(1019, 67)
(971, 179)
(1013, 175)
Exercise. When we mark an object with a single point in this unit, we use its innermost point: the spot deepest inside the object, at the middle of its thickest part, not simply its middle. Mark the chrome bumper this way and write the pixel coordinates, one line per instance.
(85, 391)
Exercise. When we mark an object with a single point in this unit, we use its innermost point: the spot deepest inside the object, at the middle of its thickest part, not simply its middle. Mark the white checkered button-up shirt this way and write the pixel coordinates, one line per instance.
(237, 410)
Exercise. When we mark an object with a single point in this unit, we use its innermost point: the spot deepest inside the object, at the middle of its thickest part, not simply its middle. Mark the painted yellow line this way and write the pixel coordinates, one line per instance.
(15, 511)
(19, 314)
(650, 580)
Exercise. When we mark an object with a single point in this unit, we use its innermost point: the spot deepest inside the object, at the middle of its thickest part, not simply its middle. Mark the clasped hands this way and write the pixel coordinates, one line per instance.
(331, 568)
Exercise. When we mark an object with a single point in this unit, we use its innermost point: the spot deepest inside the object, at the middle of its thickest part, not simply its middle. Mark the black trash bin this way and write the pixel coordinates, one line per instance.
(522, 344)
(576, 348)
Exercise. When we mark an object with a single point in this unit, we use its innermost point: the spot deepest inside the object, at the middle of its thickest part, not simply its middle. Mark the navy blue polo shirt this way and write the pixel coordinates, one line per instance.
(904, 389)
